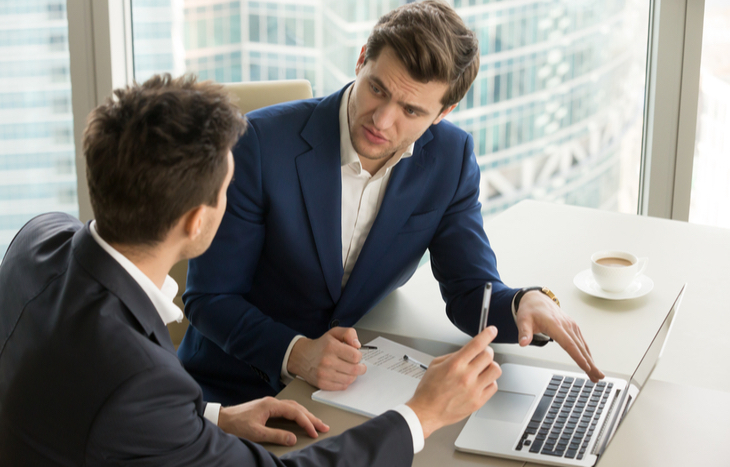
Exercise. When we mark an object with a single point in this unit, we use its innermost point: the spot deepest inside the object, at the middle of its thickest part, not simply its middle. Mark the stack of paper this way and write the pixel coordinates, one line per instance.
(390, 380)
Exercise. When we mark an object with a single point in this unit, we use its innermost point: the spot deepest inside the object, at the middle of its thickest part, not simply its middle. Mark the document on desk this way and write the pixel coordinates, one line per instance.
(390, 380)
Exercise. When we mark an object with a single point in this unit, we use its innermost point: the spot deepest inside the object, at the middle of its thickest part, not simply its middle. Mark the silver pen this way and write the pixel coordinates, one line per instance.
(485, 306)
(413, 360)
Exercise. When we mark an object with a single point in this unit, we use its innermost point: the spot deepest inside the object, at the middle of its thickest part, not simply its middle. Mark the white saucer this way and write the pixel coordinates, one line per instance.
(641, 286)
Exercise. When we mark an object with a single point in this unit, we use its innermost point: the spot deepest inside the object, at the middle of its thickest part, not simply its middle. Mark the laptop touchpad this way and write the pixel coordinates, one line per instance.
(507, 407)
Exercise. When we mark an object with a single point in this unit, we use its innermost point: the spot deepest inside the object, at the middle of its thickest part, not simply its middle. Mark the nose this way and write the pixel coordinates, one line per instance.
(384, 116)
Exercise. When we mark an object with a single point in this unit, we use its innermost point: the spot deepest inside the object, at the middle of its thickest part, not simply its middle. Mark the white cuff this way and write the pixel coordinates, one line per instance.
(415, 426)
(287, 378)
(212, 411)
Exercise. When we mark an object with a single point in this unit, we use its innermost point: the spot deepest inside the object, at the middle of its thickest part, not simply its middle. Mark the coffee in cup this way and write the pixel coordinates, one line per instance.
(615, 270)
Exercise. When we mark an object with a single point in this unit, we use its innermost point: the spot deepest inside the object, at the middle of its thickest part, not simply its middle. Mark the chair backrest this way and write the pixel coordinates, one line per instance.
(250, 96)
(256, 94)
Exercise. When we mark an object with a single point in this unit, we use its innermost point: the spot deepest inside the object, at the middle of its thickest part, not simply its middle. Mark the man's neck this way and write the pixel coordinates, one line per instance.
(155, 262)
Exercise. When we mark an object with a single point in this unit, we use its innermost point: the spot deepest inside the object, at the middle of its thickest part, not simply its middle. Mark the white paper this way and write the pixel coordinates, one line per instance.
(389, 380)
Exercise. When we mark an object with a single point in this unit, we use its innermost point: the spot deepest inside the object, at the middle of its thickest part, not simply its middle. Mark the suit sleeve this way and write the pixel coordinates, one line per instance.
(152, 420)
(462, 259)
(219, 279)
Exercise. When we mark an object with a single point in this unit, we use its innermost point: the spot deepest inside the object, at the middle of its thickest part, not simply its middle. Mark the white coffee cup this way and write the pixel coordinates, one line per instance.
(615, 270)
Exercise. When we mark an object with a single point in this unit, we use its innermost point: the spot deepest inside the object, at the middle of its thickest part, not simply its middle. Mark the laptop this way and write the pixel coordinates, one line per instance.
(558, 417)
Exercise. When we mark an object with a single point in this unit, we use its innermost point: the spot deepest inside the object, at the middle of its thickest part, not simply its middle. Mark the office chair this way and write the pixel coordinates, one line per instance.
(249, 96)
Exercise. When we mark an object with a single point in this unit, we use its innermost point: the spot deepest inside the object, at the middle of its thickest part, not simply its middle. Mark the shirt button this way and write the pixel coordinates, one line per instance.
(334, 323)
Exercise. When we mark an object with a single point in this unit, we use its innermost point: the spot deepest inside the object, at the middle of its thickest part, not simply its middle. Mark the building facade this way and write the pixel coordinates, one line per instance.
(37, 171)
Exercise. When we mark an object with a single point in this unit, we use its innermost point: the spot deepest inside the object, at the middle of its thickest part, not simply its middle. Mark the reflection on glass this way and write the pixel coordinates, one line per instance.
(37, 168)
(710, 196)
(556, 111)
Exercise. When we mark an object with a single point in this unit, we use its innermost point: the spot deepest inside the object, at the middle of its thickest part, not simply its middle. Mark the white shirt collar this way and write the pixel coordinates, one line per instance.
(160, 298)
(348, 155)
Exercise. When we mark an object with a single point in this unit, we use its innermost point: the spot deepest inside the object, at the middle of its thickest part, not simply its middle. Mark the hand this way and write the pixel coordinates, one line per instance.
(331, 362)
(249, 421)
(457, 384)
(538, 313)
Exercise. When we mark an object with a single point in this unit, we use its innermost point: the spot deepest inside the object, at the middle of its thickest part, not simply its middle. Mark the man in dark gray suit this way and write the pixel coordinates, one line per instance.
(88, 375)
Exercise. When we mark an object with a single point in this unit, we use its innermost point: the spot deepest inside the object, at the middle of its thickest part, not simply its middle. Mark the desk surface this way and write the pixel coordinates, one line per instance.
(540, 243)
(546, 244)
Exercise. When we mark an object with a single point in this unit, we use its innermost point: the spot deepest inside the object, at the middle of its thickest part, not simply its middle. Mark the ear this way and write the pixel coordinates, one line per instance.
(446, 111)
(360, 60)
(193, 222)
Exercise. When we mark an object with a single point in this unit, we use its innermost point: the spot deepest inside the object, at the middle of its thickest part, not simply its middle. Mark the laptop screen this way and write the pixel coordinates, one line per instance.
(645, 368)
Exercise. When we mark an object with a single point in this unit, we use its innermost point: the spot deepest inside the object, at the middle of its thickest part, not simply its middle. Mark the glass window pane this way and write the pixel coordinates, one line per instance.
(37, 154)
(710, 195)
(555, 112)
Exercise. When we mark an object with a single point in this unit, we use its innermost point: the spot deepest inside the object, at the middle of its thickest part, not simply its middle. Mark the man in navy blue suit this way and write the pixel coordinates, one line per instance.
(333, 204)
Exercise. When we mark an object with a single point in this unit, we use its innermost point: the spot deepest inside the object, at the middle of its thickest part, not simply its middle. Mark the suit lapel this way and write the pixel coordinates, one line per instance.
(320, 178)
(405, 189)
(112, 275)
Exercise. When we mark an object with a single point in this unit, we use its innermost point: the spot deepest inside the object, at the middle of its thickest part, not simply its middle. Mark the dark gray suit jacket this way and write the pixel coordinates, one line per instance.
(88, 375)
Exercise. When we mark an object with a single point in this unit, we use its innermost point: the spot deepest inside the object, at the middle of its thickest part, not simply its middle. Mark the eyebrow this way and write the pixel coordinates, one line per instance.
(380, 84)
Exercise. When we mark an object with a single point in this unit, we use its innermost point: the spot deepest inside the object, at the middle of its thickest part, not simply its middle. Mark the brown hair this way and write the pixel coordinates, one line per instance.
(154, 151)
(433, 43)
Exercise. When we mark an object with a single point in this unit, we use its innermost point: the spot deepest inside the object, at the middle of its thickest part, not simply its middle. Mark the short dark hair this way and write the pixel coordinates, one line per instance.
(433, 43)
(154, 151)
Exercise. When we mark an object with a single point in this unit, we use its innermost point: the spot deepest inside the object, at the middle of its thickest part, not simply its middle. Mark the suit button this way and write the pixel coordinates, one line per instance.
(334, 323)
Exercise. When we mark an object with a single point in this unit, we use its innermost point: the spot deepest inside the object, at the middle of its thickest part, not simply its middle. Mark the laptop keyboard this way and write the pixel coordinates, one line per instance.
(566, 417)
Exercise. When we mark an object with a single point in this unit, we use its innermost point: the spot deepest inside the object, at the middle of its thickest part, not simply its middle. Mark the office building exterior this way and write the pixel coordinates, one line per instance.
(37, 171)
(555, 111)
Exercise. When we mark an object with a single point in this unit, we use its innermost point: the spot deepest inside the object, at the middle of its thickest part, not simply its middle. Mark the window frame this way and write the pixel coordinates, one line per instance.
(101, 58)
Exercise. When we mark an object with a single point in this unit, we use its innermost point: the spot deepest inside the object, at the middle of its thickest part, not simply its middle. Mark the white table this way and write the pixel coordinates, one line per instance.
(546, 244)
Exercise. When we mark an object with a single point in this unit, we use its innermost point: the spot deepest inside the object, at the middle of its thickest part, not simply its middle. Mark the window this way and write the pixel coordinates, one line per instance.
(710, 195)
(37, 154)
(556, 111)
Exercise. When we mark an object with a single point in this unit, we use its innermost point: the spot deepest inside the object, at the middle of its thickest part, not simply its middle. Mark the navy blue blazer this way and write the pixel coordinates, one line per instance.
(90, 377)
(274, 269)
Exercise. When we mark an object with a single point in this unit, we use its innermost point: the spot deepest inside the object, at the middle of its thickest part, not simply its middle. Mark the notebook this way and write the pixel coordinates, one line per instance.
(558, 417)
(390, 379)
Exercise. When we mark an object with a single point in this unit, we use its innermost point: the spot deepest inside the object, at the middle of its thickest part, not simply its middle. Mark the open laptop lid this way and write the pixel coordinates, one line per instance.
(643, 371)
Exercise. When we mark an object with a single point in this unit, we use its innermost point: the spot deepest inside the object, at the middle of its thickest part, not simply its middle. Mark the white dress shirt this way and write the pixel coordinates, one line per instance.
(160, 298)
(362, 193)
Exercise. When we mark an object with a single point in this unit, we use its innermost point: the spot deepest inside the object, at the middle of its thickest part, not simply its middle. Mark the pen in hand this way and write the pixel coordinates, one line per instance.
(413, 360)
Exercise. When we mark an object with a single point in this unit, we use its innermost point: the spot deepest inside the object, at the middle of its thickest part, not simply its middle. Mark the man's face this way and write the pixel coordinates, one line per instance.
(389, 110)
(212, 216)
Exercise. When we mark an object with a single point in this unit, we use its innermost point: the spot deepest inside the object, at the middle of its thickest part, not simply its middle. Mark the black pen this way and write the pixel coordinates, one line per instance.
(413, 360)
(368, 347)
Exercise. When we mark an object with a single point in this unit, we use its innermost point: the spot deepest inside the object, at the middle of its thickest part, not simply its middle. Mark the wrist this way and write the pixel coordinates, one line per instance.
(224, 419)
(428, 424)
(294, 364)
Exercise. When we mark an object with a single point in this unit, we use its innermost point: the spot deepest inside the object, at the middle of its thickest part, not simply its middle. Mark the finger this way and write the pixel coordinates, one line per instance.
(490, 391)
(526, 331)
(276, 436)
(482, 359)
(585, 343)
(304, 419)
(335, 363)
(293, 410)
(478, 343)
(345, 335)
(568, 344)
(574, 331)
(345, 352)
(350, 338)
(490, 374)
